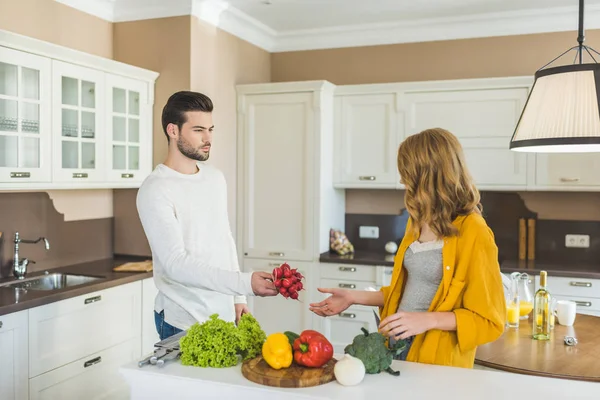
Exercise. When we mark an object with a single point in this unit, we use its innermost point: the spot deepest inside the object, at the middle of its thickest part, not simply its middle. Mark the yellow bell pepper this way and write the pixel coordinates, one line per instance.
(277, 351)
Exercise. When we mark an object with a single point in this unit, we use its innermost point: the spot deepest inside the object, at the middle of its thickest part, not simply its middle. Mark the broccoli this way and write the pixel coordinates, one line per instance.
(371, 349)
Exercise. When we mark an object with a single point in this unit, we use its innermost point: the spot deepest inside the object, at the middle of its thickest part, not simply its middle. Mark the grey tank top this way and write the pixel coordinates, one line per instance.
(423, 264)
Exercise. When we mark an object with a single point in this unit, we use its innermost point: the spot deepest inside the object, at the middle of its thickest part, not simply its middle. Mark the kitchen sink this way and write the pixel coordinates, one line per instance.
(53, 281)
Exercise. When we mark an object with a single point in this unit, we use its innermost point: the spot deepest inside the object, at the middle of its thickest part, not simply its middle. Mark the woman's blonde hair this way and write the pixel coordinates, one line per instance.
(438, 184)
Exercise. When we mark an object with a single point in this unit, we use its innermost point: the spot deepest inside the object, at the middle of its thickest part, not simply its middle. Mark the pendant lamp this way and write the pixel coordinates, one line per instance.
(562, 113)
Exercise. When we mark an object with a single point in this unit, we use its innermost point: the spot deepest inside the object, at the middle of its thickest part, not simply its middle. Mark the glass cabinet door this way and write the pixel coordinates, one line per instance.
(78, 100)
(127, 108)
(24, 117)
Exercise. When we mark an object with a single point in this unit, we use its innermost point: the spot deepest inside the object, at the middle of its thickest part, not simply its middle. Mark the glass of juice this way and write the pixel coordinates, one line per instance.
(512, 316)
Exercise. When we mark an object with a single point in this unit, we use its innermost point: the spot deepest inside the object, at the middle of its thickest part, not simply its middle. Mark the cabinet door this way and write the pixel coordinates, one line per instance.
(278, 135)
(78, 122)
(568, 171)
(14, 379)
(341, 329)
(25, 130)
(129, 138)
(367, 132)
(278, 314)
(483, 121)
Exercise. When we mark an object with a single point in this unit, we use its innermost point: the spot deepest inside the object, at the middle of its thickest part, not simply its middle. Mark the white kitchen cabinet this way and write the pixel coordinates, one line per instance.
(368, 129)
(128, 115)
(149, 333)
(95, 377)
(286, 200)
(70, 330)
(14, 383)
(567, 172)
(583, 291)
(25, 130)
(71, 120)
(483, 115)
(278, 314)
(78, 129)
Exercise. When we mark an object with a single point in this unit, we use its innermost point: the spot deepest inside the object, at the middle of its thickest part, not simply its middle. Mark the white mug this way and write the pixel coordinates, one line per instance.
(566, 311)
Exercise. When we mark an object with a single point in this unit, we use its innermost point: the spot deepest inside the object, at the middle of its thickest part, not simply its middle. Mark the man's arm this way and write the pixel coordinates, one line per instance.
(159, 221)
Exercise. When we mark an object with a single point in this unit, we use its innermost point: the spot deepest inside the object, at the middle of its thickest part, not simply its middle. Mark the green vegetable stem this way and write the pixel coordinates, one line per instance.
(218, 344)
(370, 348)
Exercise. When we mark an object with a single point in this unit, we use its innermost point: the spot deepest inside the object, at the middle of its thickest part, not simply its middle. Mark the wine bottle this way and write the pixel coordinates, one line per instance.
(541, 310)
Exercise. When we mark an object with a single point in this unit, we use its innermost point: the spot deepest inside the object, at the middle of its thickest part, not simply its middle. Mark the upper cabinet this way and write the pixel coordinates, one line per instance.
(368, 129)
(25, 129)
(568, 172)
(482, 114)
(70, 120)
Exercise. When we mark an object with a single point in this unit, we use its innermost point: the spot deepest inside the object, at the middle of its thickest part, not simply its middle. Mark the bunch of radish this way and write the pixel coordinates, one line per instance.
(288, 281)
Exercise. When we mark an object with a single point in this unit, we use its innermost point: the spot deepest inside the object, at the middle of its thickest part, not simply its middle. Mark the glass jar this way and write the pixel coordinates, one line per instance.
(525, 298)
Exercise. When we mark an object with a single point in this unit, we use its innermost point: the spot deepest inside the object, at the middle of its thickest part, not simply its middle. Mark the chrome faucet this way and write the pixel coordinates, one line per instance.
(20, 266)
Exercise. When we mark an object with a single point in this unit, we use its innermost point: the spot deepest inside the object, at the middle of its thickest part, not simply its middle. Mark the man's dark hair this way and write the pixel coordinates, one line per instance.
(181, 102)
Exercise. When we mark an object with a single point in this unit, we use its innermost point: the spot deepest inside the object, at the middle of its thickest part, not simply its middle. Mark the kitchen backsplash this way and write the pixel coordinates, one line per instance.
(33, 215)
(501, 210)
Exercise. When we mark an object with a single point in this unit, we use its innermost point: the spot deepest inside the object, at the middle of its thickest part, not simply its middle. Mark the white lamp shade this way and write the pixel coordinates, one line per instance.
(561, 113)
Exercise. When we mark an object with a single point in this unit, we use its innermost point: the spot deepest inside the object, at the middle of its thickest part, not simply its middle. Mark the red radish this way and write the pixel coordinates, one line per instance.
(277, 273)
(294, 295)
(277, 283)
(282, 290)
(287, 273)
(286, 282)
(299, 286)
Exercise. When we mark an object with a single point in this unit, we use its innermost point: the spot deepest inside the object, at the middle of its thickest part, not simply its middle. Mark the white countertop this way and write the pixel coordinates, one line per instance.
(417, 381)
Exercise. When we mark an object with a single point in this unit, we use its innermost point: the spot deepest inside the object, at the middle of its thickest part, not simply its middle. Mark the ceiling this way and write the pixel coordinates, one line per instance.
(284, 25)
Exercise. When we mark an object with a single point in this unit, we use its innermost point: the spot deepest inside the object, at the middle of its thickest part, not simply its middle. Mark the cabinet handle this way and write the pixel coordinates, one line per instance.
(0, 324)
(347, 315)
(367, 178)
(91, 362)
(276, 254)
(347, 285)
(583, 303)
(80, 175)
(581, 284)
(274, 264)
(347, 269)
(569, 179)
(94, 299)
(126, 175)
(20, 175)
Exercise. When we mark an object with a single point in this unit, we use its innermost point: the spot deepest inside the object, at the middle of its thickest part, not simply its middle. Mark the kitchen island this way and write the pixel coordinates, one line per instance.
(417, 381)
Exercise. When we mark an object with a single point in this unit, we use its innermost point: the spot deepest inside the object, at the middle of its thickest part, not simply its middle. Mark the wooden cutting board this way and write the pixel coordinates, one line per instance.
(257, 370)
(143, 266)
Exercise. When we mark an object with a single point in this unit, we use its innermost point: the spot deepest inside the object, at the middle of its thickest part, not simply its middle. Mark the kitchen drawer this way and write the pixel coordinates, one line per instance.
(348, 272)
(96, 376)
(584, 304)
(346, 284)
(71, 329)
(579, 287)
(342, 329)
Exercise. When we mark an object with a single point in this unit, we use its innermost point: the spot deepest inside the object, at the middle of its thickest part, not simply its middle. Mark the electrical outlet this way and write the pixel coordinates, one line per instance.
(580, 241)
(368, 232)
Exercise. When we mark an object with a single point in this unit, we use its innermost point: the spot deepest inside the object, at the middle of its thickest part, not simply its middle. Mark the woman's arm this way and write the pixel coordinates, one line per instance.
(367, 298)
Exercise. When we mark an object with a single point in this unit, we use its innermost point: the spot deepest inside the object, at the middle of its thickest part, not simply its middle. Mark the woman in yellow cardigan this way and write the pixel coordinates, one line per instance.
(446, 295)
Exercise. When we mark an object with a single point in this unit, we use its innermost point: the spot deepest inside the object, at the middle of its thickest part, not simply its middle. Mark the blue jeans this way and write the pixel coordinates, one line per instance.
(164, 329)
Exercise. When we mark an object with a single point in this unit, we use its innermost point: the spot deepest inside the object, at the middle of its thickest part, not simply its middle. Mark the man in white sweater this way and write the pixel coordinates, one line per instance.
(183, 209)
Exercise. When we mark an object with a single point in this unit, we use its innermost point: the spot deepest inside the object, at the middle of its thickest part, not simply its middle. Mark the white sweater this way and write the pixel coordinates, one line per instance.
(194, 257)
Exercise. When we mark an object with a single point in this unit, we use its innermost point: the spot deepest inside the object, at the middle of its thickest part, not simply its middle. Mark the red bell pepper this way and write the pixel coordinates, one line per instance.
(312, 349)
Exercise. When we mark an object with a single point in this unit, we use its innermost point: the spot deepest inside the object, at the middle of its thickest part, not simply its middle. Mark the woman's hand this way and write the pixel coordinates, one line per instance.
(339, 300)
(405, 324)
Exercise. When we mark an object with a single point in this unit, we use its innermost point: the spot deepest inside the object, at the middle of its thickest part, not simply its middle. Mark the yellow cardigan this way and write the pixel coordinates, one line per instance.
(471, 287)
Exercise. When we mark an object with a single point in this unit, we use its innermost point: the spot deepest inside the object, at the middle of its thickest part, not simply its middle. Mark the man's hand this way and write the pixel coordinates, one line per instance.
(240, 309)
(262, 284)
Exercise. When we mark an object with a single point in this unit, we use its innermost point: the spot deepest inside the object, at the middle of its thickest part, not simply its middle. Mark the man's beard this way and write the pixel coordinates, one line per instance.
(190, 152)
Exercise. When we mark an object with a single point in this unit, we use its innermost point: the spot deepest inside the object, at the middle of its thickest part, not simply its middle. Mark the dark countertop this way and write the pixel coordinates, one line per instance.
(575, 270)
(13, 300)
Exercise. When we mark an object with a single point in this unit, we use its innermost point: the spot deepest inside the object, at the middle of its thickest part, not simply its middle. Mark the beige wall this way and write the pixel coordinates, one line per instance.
(219, 62)
(56, 23)
(455, 59)
(161, 45)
